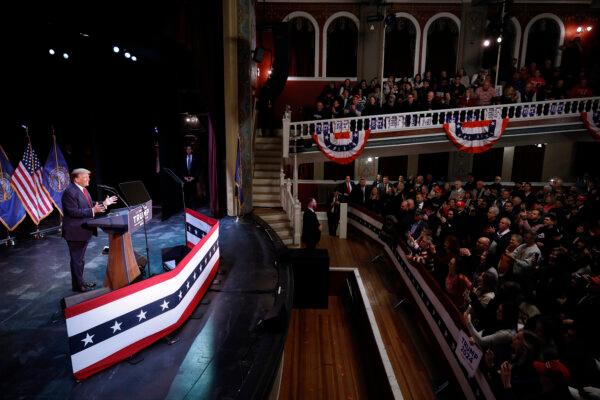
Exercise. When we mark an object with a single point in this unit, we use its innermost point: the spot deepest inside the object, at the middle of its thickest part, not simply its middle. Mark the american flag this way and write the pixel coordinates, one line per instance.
(28, 184)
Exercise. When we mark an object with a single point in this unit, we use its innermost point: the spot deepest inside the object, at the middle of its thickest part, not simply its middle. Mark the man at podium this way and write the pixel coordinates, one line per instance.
(78, 208)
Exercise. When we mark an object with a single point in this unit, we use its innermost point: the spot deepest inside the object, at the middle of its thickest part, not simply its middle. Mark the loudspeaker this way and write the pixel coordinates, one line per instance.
(311, 277)
(258, 54)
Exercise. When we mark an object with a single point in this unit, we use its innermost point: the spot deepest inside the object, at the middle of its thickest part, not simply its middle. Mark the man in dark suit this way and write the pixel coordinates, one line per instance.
(346, 188)
(311, 229)
(190, 173)
(78, 208)
(333, 212)
(361, 193)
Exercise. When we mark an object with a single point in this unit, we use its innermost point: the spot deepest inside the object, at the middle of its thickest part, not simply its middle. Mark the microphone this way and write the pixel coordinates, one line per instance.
(105, 187)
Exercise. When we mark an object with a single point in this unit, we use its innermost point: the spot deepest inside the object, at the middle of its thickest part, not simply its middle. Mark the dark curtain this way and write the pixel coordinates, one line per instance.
(342, 45)
(542, 43)
(400, 42)
(442, 46)
(302, 48)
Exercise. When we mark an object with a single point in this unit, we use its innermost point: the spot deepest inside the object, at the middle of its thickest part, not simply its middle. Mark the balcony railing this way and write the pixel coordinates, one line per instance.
(436, 118)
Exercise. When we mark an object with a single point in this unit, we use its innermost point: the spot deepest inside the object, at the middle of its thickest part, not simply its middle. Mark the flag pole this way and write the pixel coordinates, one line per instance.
(36, 234)
(60, 216)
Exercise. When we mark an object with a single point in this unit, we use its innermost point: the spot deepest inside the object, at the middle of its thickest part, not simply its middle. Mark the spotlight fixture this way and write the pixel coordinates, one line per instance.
(133, 58)
(579, 29)
(589, 28)
(486, 43)
(370, 159)
(127, 54)
(66, 56)
(539, 145)
(188, 119)
(270, 71)
(499, 40)
(116, 49)
(52, 52)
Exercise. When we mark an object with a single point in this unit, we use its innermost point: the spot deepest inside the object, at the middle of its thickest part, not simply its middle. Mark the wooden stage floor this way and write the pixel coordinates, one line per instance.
(320, 360)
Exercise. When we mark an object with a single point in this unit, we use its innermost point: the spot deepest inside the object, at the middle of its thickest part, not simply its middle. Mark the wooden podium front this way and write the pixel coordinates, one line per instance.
(122, 267)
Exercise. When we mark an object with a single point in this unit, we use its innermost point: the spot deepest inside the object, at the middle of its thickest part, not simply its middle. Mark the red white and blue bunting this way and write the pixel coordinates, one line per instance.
(591, 120)
(109, 328)
(475, 136)
(338, 142)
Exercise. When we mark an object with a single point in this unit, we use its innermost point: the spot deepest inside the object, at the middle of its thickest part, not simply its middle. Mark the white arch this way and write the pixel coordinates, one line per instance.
(426, 31)
(518, 34)
(327, 23)
(312, 19)
(561, 37)
(417, 38)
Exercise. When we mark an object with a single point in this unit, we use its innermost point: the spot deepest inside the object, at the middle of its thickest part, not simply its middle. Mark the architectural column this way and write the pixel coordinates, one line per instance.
(558, 161)
(412, 167)
(507, 163)
(472, 32)
(370, 43)
(238, 42)
(365, 168)
(459, 165)
(230, 95)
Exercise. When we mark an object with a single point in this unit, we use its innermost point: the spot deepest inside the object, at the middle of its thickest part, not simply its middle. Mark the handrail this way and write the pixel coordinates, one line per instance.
(436, 118)
(291, 207)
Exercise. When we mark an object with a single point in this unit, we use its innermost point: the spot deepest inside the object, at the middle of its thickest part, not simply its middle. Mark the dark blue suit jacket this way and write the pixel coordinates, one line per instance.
(77, 211)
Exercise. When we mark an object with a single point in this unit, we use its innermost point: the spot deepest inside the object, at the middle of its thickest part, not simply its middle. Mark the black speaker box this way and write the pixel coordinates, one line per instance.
(311, 277)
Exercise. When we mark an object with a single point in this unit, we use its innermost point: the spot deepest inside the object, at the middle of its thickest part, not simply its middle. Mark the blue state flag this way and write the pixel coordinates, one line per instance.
(12, 212)
(56, 175)
(238, 174)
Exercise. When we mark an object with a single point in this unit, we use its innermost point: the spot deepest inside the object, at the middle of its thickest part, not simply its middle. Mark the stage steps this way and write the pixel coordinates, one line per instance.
(267, 166)
(279, 222)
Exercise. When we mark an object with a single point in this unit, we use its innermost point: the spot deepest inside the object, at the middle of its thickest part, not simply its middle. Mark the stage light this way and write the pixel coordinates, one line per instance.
(116, 49)
(188, 119)
(499, 40)
(579, 29)
(370, 159)
(127, 54)
(486, 43)
(589, 29)
(84, 34)
(52, 52)
(270, 72)
(66, 56)
(133, 58)
(539, 145)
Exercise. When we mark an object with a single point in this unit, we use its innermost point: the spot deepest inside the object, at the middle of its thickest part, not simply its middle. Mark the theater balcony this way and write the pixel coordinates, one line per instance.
(552, 121)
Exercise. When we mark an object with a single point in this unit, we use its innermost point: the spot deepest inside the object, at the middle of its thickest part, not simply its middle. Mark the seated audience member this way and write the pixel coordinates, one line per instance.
(320, 112)
(485, 93)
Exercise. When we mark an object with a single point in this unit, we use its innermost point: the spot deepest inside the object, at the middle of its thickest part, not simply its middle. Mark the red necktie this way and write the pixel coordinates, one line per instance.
(348, 187)
(87, 196)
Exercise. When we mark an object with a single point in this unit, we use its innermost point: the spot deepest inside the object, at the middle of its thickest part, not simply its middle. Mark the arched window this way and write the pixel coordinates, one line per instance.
(401, 48)
(303, 39)
(542, 39)
(341, 45)
(441, 43)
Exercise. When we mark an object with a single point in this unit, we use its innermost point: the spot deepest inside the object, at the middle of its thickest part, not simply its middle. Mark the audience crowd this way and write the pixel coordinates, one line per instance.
(443, 91)
(520, 264)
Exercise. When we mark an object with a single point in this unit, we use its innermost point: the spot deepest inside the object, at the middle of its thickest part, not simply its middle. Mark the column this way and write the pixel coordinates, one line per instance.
(507, 163)
(230, 88)
(459, 165)
(412, 167)
(558, 161)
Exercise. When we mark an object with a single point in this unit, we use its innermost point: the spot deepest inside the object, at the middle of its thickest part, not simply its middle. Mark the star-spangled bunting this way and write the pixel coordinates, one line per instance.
(341, 147)
(98, 339)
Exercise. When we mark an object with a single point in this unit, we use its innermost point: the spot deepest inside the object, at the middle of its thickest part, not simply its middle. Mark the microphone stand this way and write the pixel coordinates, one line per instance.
(174, 176)
(116, 193)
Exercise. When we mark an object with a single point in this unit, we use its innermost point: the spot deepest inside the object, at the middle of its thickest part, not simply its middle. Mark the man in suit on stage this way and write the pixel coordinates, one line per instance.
(78, 208)
(311, 229)
(190, 173)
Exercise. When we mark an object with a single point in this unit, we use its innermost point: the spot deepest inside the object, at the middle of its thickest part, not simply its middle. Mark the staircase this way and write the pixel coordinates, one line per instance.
(266, 186)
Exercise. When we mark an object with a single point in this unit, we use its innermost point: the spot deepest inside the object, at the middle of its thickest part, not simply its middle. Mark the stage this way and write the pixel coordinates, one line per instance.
(216, 349)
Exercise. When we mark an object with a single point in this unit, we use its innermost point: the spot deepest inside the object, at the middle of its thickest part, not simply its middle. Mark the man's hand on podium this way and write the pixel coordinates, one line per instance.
(98, 208)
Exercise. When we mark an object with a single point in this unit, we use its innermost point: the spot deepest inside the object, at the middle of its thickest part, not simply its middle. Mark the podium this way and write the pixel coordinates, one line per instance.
(120, 224)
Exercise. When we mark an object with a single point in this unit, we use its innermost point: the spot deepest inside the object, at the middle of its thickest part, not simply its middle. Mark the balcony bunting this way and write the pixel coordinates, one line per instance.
(591, 121)
(338, 142)
(475, 136)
